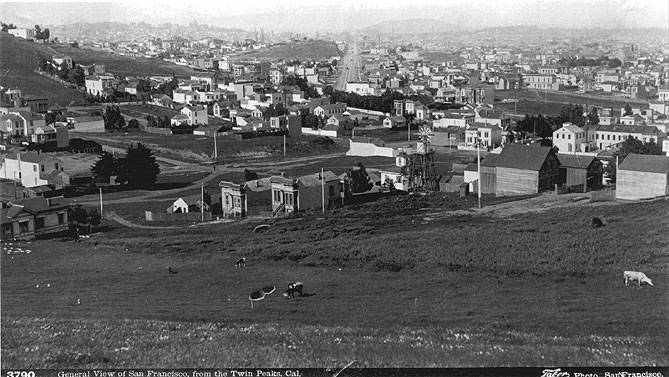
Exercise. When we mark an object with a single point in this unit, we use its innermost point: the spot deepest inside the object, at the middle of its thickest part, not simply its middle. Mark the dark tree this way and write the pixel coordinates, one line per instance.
(105, 167)
(573, 114)
(249, 175)
(628, 110)
(113, 118)
(134, 124)
(593, 117)
(359, 179)
(139, 168)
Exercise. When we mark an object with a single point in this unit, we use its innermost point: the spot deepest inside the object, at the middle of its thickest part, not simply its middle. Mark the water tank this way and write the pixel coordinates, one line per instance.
(401, 161)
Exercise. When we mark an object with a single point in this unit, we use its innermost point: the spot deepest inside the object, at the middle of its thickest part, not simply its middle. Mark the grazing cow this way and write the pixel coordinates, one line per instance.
(170, 270)
(637, 276)
(292, 288)
(240, 263)
(597, 222)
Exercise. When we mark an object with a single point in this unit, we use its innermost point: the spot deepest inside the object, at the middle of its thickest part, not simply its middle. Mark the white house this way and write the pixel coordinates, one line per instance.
(571, 138)
(608, 136)
(195, 114)
(490, 135)
(394, 176)
(22, 33)
(32, 169)
(361, 88)
(179, 206)
(98, 85)
(394, 122)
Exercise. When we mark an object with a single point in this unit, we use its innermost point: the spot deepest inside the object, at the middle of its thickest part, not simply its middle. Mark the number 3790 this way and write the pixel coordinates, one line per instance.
(22, 373)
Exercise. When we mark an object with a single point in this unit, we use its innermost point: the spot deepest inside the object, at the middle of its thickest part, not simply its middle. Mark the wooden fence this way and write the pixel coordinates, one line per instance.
(177, 217)
(603, 196)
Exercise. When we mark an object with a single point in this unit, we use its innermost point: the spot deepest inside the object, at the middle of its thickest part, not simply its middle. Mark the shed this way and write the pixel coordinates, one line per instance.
(179, 206)
(642, 177)
(523, 169)
(585, 171)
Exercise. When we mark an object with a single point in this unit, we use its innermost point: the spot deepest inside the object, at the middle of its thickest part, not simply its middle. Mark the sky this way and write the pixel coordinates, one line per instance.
(343, 15)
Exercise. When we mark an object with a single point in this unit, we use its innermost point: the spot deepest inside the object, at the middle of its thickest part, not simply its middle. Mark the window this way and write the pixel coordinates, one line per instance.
(569, 137)
(24, 226)
(331, 191)
(61, 218)
(608, 137)
(227, 200)
(277, 195)
(56, 166)
(289, 199)
(35, 168)
(39, 223)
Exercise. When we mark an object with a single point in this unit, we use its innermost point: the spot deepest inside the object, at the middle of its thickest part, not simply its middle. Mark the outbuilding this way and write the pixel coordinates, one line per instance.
(642, 177)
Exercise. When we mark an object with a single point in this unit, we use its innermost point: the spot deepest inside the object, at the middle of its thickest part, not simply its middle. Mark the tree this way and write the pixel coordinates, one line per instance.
(573, 114)
(6, 27)
(77, 76)
(359, 179)
(628, 110)
(113, 118)
(593, 117)
(249, 175)
(133, 123)
(105, 167)
(139, 168)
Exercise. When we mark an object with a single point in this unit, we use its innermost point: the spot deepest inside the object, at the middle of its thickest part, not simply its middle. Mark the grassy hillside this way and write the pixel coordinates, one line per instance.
(19, 58)
(307, 50)
(387, 283)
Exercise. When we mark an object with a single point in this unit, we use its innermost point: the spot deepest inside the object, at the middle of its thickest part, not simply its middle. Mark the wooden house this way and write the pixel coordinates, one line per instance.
(246, 199)
(31, 218)
(642, 177)
(522, 170)
(309, 191)
(488, 175)
(585, 171)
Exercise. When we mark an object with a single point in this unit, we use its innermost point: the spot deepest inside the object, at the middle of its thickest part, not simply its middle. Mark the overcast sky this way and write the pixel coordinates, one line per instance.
(340, 15)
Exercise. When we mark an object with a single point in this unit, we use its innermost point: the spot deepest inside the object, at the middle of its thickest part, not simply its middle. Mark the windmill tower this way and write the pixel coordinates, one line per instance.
(419, 165)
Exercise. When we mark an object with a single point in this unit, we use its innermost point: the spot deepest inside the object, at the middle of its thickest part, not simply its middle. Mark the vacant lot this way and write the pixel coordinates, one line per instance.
(383, 287)
(201, 148)
(141, 111)
(551, 102)
(308, 50)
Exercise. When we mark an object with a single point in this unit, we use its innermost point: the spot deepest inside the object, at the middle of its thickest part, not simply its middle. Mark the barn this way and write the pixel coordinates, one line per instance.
(584, 172)
(488, 175)
(642, 177)
(522, 170)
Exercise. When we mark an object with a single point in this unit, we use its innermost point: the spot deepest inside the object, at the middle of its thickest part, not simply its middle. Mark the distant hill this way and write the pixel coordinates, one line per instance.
(412, 26)
(18, 60)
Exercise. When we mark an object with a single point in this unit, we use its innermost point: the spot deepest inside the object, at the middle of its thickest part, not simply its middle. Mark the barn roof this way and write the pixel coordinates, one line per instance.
(646, 163)
(575, 161)
(524, 157)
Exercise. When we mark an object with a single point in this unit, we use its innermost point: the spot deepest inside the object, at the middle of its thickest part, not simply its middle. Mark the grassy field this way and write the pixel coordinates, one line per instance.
(141, 111)
(201, 148)
(307, 50)
(386, 283)
(551, 102)
(18, 59)
(124, 65)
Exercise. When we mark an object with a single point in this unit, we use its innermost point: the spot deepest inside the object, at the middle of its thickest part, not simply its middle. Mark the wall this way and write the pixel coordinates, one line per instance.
(512, 181)
(634, 185)
(369, 149)
(311, 131)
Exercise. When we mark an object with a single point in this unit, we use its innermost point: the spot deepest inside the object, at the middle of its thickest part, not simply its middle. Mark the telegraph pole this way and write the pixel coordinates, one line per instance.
(215, 148)
(322, 190)
(202, 202)
(478, 164)
(284, 145)
(101, 208)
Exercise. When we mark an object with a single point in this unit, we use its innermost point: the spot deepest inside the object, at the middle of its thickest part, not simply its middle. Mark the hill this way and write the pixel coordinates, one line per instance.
(412, 26)
(18, 60)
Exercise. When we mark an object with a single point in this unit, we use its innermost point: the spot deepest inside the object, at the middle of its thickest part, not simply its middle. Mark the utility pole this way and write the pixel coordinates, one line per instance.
(215, 148)
(478, 164)
(202, 202)
(284, 145)
(102, 214)
(322, 190)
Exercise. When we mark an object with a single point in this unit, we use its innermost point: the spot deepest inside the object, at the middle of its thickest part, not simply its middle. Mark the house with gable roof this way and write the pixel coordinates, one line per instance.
(642, 177)
(522, 169)
(28, 219)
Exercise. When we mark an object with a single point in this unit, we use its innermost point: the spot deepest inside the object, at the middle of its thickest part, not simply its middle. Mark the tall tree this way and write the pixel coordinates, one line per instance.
(139, 168)
(106, 166)
(628, 110)
(359, 179)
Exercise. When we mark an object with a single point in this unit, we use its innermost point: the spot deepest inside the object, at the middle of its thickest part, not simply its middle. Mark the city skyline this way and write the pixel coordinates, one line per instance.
(339, 16)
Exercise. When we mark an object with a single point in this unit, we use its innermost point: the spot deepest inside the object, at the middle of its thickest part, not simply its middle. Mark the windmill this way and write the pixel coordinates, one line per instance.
(419, 167)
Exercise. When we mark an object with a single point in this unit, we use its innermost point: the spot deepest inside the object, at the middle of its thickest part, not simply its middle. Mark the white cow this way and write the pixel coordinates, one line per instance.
(637, 276)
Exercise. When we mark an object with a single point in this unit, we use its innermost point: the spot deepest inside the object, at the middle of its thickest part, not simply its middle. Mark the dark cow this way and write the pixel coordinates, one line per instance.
(170, 270)
(597, 222)
(293, 288)
(240, 263)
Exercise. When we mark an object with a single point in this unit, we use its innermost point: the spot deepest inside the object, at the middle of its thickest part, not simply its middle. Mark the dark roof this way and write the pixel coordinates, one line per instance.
(575, 161)
(646, 163)
(524, 157)
(646, 130)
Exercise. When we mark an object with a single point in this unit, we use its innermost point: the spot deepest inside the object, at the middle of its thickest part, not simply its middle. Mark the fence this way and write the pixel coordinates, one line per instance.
(176, 217)
(603, 196)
